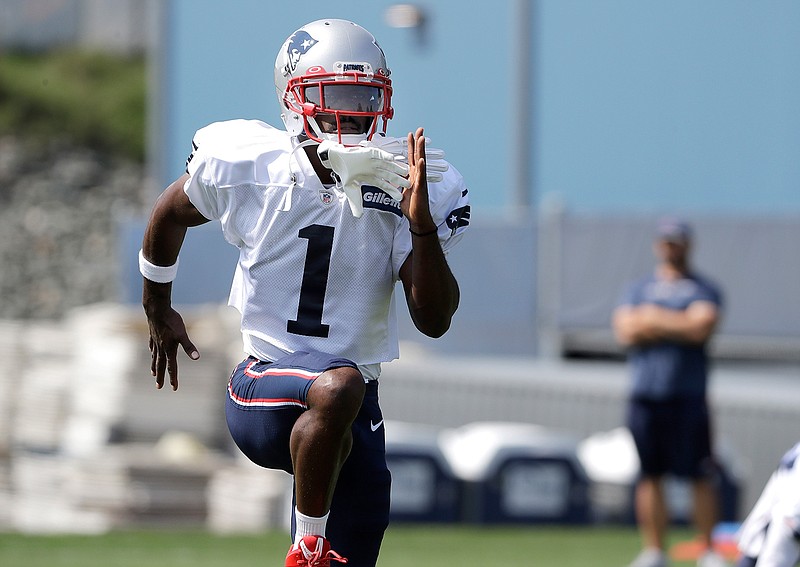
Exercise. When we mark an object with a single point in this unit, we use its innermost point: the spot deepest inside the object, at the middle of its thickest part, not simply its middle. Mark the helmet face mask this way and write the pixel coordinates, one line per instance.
(332, 83)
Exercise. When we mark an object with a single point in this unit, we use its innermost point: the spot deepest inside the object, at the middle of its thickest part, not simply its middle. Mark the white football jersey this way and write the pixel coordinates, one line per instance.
(310, 275)
(771, 529)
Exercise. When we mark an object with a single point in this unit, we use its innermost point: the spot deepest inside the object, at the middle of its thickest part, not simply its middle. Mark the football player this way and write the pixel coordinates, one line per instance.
(770, 535)
(328, 215)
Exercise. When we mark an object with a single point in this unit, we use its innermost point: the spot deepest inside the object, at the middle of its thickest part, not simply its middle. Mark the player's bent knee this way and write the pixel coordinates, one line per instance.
(342, 388)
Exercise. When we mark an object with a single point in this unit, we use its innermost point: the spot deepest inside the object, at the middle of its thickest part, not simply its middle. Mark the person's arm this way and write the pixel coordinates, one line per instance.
(172, 214)
(693, 325)
(648, 323)
(431, 290)
(628, 327)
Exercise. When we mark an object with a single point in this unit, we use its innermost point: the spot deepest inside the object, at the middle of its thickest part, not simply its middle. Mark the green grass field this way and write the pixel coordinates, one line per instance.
(420, 546)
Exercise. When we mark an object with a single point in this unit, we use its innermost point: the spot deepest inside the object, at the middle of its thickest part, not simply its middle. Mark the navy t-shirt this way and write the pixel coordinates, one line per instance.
(670, 369)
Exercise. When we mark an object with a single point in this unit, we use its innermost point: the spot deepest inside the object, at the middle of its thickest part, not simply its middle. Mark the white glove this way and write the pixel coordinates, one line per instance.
(356, 166)
(434, 157)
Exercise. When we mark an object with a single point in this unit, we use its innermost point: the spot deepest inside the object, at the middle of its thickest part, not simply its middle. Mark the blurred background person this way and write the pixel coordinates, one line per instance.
(665, 320)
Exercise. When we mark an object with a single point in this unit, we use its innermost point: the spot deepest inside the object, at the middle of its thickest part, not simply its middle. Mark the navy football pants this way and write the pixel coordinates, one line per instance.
(266, 398)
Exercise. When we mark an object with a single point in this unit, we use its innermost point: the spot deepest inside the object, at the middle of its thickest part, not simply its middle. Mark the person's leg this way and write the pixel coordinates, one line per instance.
(321, 439)
(295, 414)
(645, 421)
(360, 509)
(693, 460)
(705, 509)
(651, 512)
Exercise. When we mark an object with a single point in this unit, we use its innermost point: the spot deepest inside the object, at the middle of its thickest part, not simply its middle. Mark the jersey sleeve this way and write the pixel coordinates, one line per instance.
(226, 156)
(450, 208)
(211, 197)
(201, 187)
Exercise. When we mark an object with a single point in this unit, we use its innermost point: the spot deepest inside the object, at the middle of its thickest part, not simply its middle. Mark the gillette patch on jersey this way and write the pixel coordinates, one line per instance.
(374, 198)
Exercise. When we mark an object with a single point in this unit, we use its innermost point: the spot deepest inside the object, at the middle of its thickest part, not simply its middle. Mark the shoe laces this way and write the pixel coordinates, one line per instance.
(317, 558)
(321, 560)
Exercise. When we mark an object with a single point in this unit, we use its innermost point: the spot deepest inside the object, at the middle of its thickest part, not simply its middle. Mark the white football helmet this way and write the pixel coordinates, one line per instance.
(333, 83)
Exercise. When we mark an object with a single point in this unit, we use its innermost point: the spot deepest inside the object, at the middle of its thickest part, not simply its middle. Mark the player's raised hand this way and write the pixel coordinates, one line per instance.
(167, 331)
(415, 205)
(435, 163)
(355, 166)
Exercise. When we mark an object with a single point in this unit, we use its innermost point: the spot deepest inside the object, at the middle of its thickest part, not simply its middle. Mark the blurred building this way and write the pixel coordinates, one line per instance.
(120, 26)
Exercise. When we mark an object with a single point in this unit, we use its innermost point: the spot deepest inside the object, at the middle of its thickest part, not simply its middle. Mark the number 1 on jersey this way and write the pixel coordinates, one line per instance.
(315, 282)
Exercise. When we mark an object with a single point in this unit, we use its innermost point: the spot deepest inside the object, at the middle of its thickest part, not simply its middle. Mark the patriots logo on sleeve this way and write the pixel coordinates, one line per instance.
(298, 45)
(457, 218)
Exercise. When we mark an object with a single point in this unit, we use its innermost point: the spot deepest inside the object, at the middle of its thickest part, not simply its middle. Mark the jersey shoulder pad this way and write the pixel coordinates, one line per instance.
(227, 150)
(238, 135)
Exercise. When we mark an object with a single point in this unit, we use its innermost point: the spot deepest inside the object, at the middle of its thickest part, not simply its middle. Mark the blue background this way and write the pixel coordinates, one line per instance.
(636, 106)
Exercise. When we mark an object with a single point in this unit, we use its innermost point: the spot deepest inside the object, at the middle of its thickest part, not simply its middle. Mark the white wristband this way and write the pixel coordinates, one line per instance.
(157, 274)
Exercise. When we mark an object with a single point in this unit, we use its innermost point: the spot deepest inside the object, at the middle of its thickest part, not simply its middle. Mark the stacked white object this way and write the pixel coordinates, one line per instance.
(167, 444)
(37, 470)
(246, 498)
(105, 357)
(88, 444)
(10, 362)
(114, 395)
(167, 482)
(41, 387)
(42, 502)
(5, 494)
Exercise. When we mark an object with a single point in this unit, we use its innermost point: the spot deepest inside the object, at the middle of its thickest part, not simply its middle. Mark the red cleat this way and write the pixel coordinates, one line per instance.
(312, 551)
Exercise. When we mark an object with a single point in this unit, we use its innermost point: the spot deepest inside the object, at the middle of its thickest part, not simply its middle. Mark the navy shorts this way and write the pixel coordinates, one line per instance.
(264, 401)
(672, 436)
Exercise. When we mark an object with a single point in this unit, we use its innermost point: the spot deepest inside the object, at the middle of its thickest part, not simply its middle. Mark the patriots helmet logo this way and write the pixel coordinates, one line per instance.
(457, 218)
(297, 46)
